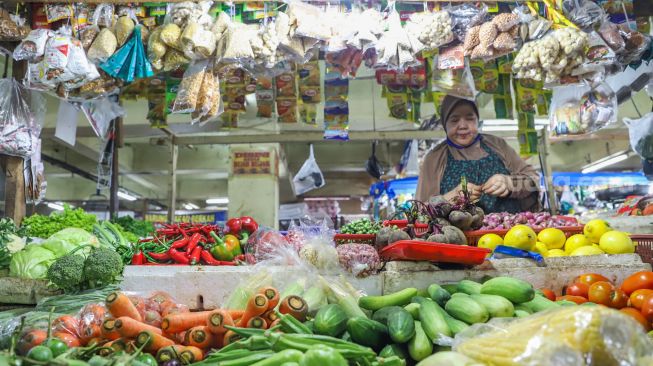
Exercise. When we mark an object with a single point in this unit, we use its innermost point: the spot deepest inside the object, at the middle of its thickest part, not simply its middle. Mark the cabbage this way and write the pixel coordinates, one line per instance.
(58, 246)
(75, 236)
(32, 262)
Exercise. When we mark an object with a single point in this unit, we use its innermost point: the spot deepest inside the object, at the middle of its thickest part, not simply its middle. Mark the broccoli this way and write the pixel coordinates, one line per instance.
(102, 267)
(67, 272)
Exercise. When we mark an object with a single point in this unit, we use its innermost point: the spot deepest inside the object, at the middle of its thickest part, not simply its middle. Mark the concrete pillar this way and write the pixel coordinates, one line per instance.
(254, 182)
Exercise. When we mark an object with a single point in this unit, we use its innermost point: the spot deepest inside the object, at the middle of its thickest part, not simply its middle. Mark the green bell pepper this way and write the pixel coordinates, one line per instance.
(322, 355)
(227, 248)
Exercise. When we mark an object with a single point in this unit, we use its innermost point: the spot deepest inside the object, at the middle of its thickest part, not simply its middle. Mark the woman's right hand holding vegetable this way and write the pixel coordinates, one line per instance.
(473, 190)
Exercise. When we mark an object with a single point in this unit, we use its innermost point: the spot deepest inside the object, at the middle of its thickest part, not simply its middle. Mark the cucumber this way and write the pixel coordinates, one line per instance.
(382, 314)
(454, 324)
(394, 350)
(399, 298)
(459, 294)
(330, 320)
(540, 303)
(419, 347)
(497, 306)
(466, 309)
(513, 289)
(438, 294)
(451, 288)
(401, 326)
(368, 332)
(523, 307)
(423, 292)
(469, 287)
(432, 321)
(413, 309)
(519, 313)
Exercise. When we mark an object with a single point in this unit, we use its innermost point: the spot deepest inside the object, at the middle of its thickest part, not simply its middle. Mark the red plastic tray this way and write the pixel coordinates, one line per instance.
(434, 252)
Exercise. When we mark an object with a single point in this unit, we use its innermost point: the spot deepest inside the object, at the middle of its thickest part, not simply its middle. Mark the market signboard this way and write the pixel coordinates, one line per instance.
(256, 162)
(216, 217)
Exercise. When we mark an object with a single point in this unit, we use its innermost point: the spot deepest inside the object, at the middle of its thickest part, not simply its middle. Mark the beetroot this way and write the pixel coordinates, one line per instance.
(454, 235)
(398, 235)
(461, 219)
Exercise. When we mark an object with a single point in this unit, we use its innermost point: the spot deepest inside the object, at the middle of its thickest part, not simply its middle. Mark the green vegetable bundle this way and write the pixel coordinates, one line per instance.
(362, 226)
(40, 226)
(140, 228)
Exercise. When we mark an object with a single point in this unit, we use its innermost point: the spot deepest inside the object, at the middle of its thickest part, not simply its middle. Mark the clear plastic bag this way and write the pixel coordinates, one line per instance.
(310, 20)
(458, 82)
(564, 113)
(189, 88)
(19, 127)
(598, 107)
(433, 29)
(361, 260)
(33, 46)
(309, 177)
(100, 113)
(583, 13)
(465, 16)
(564, 336)
(641, 135)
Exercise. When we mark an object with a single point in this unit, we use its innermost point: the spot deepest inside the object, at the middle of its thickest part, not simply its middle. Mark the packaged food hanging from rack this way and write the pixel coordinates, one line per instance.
(19, 128)
(12, 27)
(641, 135)
(582, 109)
(130, 61)
(336, 106)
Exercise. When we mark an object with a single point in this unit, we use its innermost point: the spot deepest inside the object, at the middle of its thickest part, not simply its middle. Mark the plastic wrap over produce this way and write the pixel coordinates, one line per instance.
(566, 336)
(19, 127)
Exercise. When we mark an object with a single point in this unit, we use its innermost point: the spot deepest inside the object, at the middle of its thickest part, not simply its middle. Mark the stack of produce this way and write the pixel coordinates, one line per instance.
(362, 226)
(597, 238)
(41, 226)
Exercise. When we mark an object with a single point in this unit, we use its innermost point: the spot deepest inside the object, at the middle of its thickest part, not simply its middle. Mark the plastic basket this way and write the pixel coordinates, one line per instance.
(644, 247)
(355, 238)
(474, 236)
(420, 228)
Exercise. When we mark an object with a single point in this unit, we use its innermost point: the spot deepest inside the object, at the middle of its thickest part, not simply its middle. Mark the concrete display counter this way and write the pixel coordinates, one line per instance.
(208, 287)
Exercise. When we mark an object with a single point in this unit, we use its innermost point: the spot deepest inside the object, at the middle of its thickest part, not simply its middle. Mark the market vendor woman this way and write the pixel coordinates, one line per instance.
(497, 177)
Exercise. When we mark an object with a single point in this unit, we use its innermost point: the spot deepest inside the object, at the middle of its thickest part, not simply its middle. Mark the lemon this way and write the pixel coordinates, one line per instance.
(616, 242)
(587, 250)
(490, 241)
(553, 238)
(576, 241)
(520, 236)
(542, 249)
(595, 229)
(556, 253)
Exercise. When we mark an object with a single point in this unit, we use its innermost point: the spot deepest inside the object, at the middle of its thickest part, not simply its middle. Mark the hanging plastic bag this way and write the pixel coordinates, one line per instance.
(130, 61)
(100, 113)
(582, 109)
(583, 13)
(458, 82)
(309, 177)
(33, 46)
(598, 107)
(641, 135)
(189, 88)
(464, 17)
(18, 126)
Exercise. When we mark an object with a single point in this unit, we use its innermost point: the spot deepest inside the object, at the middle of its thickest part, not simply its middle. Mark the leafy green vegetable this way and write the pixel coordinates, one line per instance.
(140, 228)
(41, 226)
(10, 241)
(32, 262)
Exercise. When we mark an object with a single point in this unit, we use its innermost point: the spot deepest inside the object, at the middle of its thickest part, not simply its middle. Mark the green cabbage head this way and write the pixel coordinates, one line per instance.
(32, 262)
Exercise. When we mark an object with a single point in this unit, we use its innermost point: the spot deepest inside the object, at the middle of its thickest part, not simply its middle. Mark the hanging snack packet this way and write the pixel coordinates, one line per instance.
(189, 88)
(287, 109)
(264, 97)
(33, 46)
(103, 47)
(458, 82)
(130, 61)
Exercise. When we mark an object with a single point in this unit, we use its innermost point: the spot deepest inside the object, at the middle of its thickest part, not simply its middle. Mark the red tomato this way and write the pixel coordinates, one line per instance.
(30, 340)
(600, 293)
(635, 314)
(647, 308)
(638, 281)
(577, 299)
(578, 289)
(618, 299)
(549, 294)
(590, 278)
(637, 298)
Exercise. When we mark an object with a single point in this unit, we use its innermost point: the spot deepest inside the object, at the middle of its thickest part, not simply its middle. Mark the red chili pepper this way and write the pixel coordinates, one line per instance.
(249, 224)
(194, 256)
(159, 256)
(234, 226)
(181, 243)
(208, 258)
(193, 242)
(138, 258)
(178, 257)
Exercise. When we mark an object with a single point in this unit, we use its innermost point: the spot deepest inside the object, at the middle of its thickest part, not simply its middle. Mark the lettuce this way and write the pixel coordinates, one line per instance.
(32, 262)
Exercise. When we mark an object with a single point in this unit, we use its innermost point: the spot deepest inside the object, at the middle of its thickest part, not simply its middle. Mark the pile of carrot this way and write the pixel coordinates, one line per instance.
(165, 328)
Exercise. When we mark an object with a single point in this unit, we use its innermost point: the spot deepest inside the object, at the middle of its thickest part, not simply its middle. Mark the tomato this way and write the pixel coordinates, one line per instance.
(578, 289)
(31, 339)
(549, 294)
(599, 292)
(577, 299)
(635, 314)
(618, 299)
(638, 281)
(638, 297)
(590, 278)
(647, 308)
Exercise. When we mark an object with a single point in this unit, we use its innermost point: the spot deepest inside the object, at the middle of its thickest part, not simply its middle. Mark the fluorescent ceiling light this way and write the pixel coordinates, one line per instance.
(218, 201)
(600, 164)
(126, 196)
(191, 206)
(55, 206)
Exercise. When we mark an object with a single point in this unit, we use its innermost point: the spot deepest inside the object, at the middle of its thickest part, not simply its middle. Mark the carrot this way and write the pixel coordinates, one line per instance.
(257, 305)
(295, 306)
(89, 332)
(68, 338)
(275, 323)
(129, 328)
(236, 314)
(152, 342)
(218, 319)
(191, 354)
(139, 303)
(200, 337)
(66, 323)
(272, 294)
(166, 354)
(270, 316)
(257, 322)
(30, 340)
(230, 337)
(178, 322)
(120, 305)
(109, 330)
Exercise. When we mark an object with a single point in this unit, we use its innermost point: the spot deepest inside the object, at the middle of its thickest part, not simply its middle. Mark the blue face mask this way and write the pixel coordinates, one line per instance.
(453, 144)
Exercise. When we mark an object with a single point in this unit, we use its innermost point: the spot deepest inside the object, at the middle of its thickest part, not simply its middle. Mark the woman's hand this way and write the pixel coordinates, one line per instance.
(498, 185)
(473, 190)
